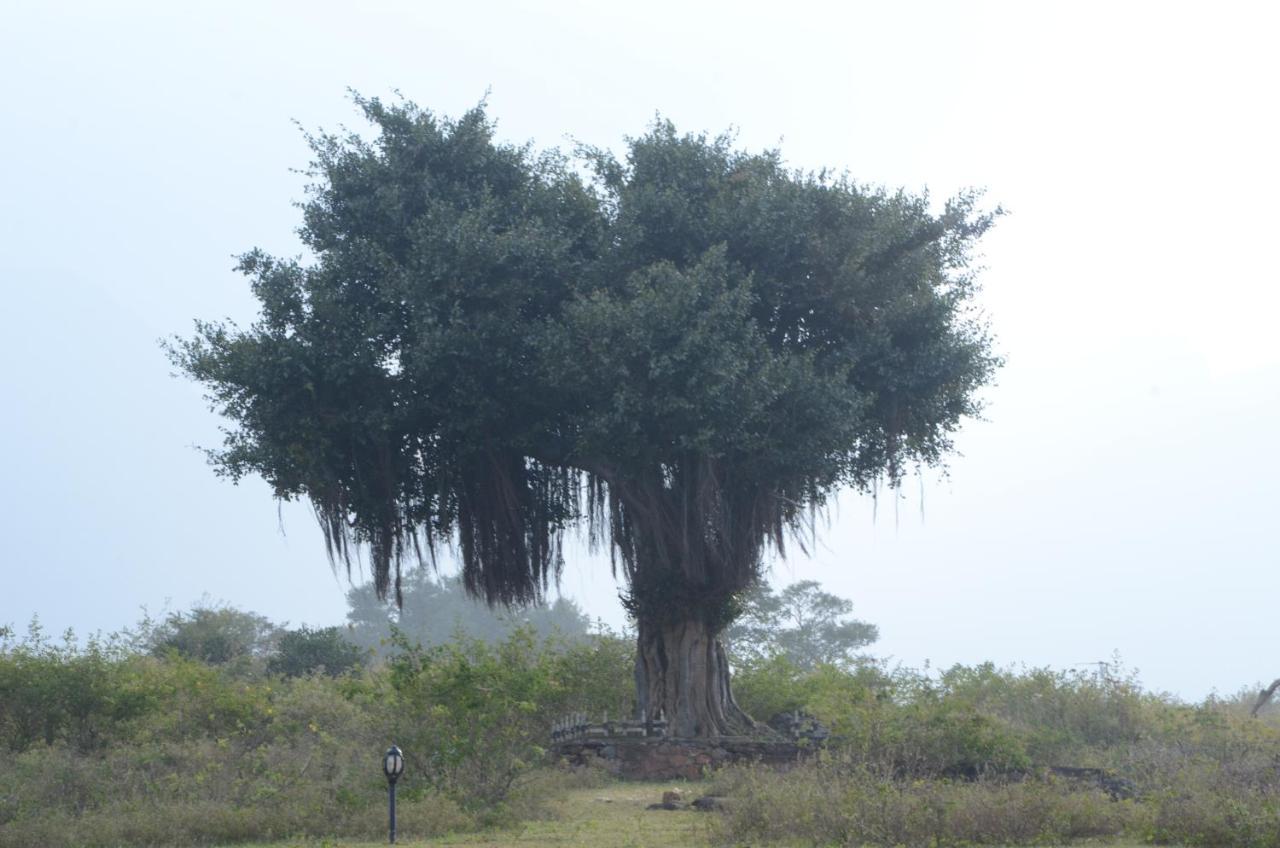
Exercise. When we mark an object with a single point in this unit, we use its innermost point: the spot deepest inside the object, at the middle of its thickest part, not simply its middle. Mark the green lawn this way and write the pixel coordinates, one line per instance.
(610, 817)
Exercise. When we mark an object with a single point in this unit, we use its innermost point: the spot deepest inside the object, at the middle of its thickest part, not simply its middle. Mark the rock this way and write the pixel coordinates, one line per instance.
(799, 725)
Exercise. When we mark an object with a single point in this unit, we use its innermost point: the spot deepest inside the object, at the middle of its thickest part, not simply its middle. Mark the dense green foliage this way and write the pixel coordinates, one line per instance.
(963, 757)
(688, 349)
(212, 634)
(321, 650)
(478, 715)
(110, 743)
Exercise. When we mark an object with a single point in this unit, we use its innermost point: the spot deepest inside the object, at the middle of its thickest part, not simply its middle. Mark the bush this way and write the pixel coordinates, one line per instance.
(218, 635)
(111, 744)
(306, 651)
(1204, 775)
(823, 804)
(899, 726)
(1195, 815)
(1058, 714)
(56, 692)
(301, 759)
(476, 716)
(776, 684)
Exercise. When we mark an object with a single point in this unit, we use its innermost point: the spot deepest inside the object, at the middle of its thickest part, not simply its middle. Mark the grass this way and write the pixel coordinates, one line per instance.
(613, 816)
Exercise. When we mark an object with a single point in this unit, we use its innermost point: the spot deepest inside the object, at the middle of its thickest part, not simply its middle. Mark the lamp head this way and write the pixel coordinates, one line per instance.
(393, 763)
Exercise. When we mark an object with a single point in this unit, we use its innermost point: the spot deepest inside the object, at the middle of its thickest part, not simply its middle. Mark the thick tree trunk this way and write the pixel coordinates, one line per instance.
(682, 675)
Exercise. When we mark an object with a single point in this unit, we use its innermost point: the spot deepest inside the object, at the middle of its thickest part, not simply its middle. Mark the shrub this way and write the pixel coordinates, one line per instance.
(595, 674)
(900, 726)
(218, 635)
(1200, 816)
(476, 716)
(306, 651)
(51, 692)
(107, 744)
(819, 804)
(777, 684)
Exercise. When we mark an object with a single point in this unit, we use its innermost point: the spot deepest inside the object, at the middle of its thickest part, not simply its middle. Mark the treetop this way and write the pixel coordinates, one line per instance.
(685, 349)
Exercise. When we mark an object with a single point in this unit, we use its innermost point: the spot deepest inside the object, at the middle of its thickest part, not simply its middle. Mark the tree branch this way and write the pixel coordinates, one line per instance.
(1264, 696)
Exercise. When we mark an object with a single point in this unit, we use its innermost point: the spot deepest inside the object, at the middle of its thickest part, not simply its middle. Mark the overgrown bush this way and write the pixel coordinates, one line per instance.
(897, 725)
(112, 743)
(109, 746)
(963, 756)
(58, 692)
(831, 804)
(1197, 814)
(478, 716)
(215, 634)
(306, 651)
(223, 761)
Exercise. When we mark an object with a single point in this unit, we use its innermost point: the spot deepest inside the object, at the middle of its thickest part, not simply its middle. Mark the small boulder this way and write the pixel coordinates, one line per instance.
(799, 725)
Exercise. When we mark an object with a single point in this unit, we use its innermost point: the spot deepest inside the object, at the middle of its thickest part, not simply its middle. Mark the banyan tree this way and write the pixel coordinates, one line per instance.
(681, 353)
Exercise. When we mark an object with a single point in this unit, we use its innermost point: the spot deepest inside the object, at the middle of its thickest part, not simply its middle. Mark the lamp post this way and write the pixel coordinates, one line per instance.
(392, 767)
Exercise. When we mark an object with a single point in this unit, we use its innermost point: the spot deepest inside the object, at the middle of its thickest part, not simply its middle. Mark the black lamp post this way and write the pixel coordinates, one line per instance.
(392, 767)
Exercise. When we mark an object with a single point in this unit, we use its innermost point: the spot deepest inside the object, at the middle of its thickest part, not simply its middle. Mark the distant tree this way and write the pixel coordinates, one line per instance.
(438, 610)
(685, 352)
(214, 634)
(307, 651)
(807, 626)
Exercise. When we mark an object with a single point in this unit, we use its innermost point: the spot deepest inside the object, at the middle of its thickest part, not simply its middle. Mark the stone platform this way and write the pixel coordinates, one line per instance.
(671, 758)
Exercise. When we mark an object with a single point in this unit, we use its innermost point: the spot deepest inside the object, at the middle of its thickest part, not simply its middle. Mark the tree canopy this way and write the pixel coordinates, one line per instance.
(685, 349)
(213, 633)
(802, 623)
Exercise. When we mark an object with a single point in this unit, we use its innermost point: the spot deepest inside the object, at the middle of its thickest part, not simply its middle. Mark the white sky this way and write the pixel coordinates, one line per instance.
(1119, 496)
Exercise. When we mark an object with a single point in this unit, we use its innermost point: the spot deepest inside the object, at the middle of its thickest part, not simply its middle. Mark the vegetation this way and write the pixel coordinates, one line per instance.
(594, 816)
(108, 744)
(112, 743)
(306, 651)
(969, 756)
(801, 625)
(435, 610)
(687, 351)
(214, 634)
(824, 805)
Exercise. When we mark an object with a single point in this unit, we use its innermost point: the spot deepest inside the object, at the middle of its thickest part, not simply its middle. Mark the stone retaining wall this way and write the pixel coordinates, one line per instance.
(668, 758)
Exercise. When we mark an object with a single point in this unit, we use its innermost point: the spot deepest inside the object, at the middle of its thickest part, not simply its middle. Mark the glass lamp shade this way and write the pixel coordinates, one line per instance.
(393, 763)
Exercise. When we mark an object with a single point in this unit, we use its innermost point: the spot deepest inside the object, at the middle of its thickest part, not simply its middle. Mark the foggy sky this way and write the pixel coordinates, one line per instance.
(1118, 497)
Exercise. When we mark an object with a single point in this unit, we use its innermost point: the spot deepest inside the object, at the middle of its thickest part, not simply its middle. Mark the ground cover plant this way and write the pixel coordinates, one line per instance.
(115, 743)
(982, 755)
(119, 741)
